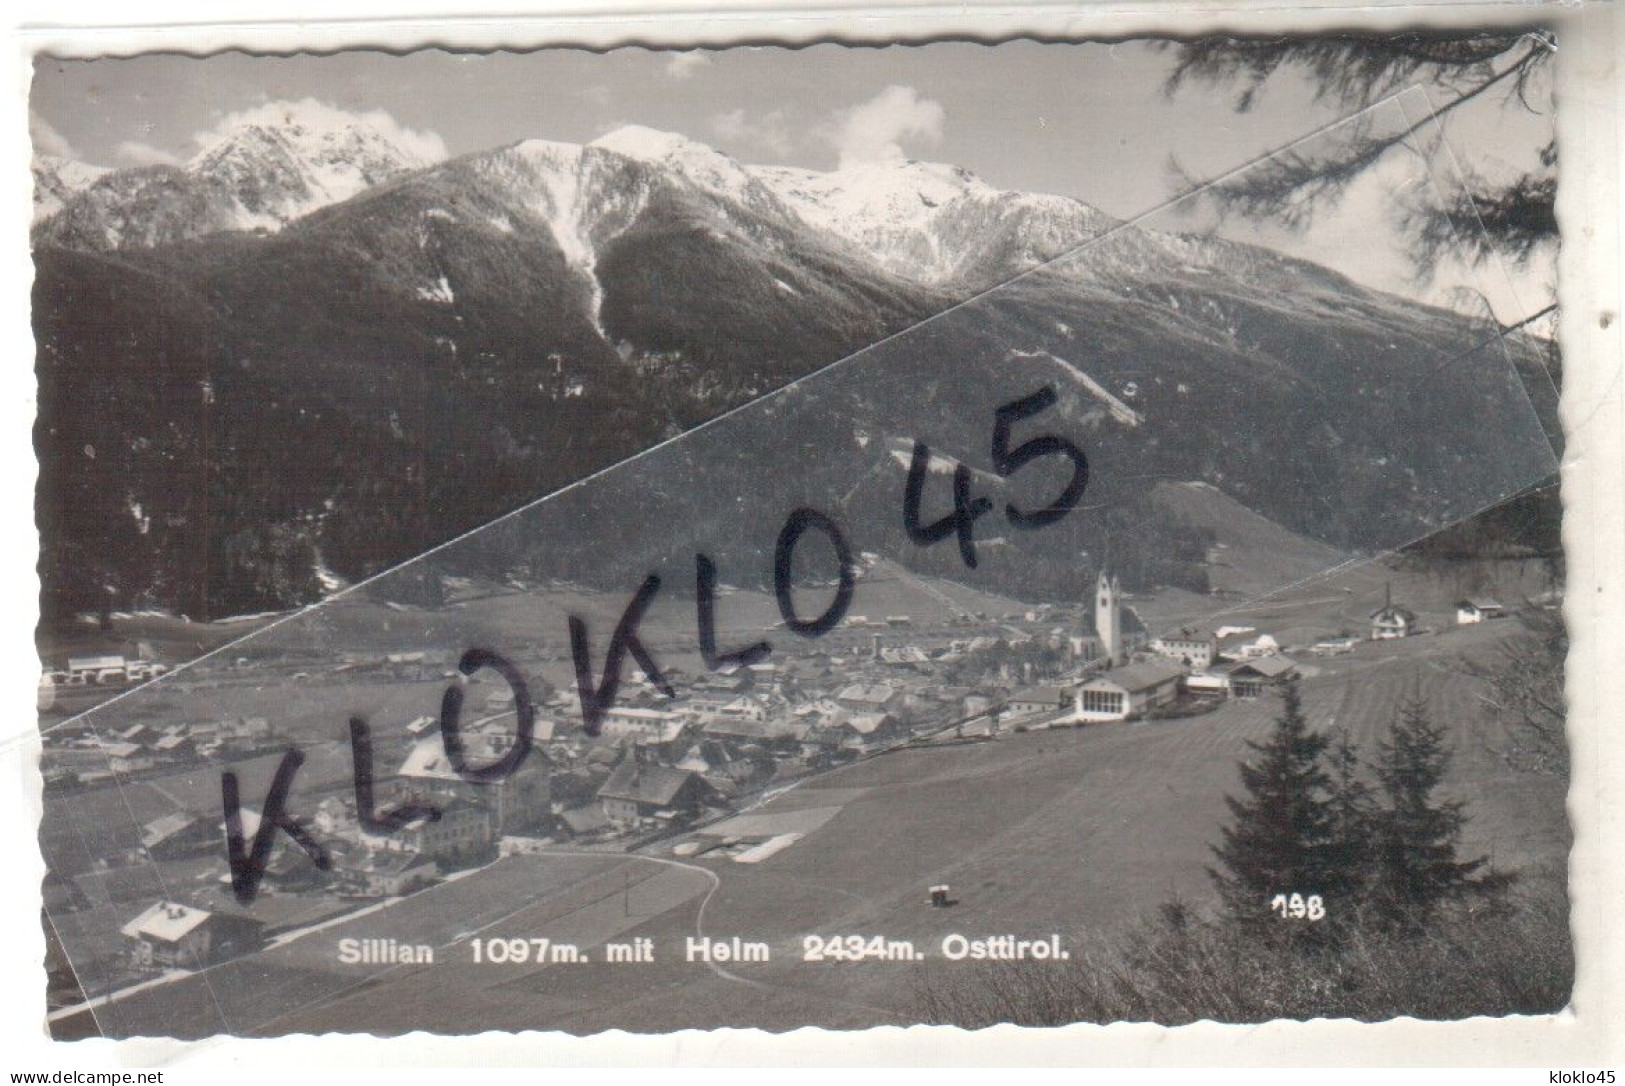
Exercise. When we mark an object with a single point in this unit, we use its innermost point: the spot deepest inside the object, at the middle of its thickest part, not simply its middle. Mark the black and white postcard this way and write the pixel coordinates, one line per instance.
(1039, 531)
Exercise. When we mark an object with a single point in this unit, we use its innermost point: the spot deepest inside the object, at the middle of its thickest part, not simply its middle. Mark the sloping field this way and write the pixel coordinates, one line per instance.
(1254, 554)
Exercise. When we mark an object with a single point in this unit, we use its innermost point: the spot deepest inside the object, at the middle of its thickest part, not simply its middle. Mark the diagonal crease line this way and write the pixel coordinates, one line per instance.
(1049, 265)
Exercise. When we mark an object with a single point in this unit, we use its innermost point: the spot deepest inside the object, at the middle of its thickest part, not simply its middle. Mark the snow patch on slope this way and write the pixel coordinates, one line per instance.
(1120, 411)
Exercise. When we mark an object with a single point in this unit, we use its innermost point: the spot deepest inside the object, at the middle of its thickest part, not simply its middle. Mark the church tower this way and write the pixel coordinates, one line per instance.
(1109, 618)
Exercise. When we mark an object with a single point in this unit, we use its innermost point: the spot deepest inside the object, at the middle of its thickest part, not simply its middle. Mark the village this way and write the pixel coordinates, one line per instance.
(683, 775)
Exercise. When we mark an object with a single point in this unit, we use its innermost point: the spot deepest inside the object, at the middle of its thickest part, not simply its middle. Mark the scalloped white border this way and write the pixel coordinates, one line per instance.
(1591, 87)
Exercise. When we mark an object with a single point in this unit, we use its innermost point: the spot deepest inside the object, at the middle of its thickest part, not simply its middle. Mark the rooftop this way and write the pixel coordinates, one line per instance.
(656, 785)
(1137, 677)
(166, 922)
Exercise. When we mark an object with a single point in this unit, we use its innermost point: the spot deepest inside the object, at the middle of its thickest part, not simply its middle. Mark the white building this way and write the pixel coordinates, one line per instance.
(1192, 648)
(1129, 692)
(1391, 621)
(1470, 611)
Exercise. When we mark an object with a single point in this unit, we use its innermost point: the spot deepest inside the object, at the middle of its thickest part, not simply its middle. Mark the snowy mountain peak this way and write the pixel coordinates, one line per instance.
(58, 180)
(697, 163)
(935, 222)
(281, 160)
(317, 132)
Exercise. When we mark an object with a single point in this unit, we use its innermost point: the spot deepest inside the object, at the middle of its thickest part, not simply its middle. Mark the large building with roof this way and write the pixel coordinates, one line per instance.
(1129, 692)
(517, 804)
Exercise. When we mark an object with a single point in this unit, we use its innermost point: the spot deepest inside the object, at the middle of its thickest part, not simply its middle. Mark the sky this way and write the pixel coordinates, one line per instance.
(1090, 120)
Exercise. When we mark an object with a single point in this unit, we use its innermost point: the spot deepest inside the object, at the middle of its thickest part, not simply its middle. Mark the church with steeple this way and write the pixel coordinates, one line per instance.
(1117, 629)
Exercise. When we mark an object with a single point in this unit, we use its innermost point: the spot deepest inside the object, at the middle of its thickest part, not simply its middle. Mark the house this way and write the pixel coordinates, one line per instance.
(869, 698)
(774, 734)
(1473, 610)
(825, 741)
(1192, 648)
(179, 834)
(1391, 621)
(1214, 682)
(745, 709)
(637, 790)
(291, 870)
(588, 821)
(1039, 699)
(175, 746)
(976, 704)
(1129, 692)
(626, 724)
(462, 831)
(98, 669)
(173, 936)
(869, 731)
(393, 873)
(1248, 679)
(127, 757)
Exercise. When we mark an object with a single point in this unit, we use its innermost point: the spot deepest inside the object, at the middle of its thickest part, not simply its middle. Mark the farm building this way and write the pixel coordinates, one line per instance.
(1469, 611)
(1039, 699)
(178, 834)
(638, 790)
(1129, 692)
(1249, 679)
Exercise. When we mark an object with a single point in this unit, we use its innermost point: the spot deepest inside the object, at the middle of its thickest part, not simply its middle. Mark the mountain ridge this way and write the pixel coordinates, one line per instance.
(380, 373)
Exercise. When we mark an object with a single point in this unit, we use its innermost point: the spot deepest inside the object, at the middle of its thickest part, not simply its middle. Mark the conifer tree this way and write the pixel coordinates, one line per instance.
(1418, 835)
(1352, 851)
(1279, 841)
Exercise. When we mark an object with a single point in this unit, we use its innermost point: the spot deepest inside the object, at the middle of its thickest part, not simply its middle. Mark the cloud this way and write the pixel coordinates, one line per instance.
(770, 132)
(47, 140)
(875, 130)
(136, 153)
(684, 65)
(320, 117)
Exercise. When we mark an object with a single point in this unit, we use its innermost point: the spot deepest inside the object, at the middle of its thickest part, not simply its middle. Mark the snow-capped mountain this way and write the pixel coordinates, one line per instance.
(296, 157)
(275, 165)
(932, 224)
(382, 370)
(58, 180)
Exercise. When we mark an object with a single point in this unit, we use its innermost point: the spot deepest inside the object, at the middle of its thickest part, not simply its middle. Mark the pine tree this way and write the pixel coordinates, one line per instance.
(1281, 837)
(1417, 835)
(1352, 852)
